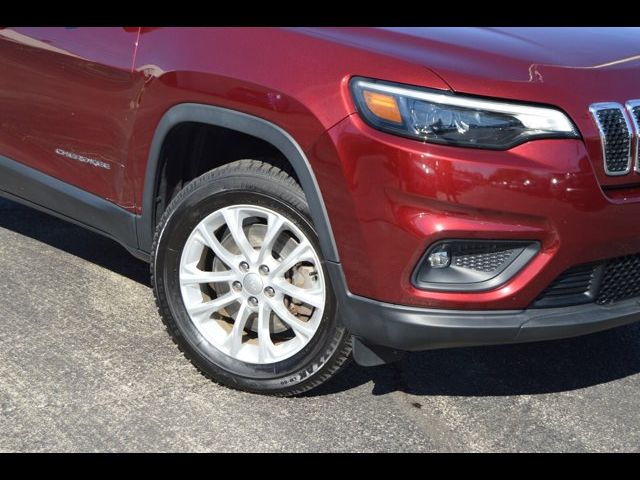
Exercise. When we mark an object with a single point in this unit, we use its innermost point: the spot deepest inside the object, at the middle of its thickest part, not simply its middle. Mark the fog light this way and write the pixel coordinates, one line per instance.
(472, 265)
(439, 259)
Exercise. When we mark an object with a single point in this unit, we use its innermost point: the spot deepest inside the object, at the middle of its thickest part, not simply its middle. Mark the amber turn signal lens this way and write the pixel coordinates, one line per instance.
(383, 106)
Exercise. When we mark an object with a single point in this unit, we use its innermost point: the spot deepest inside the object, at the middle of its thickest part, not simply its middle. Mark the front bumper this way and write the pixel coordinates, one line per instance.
(390, 198)
(410, 328)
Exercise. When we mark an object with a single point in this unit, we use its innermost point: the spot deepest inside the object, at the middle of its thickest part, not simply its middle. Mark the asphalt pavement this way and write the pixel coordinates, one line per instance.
(85, 365)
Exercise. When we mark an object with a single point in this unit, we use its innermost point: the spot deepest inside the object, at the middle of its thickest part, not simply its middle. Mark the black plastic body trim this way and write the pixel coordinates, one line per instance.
(595, 272)
(409, 328)
(50, 195)
(241, 122)
(502, 276)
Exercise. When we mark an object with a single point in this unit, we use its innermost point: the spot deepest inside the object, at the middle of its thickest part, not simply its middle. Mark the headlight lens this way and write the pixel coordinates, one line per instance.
(438, 117)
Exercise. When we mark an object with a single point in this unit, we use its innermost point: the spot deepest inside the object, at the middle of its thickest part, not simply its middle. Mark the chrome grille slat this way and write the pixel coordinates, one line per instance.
(616, 137)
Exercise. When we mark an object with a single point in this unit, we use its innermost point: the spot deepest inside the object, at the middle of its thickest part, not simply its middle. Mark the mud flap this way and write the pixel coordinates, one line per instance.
(367, 355)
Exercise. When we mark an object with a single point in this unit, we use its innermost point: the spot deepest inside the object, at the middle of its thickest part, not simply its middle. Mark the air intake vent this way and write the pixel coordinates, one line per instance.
(604, 283)
(621, 280)
(573, 287)
(616, 135)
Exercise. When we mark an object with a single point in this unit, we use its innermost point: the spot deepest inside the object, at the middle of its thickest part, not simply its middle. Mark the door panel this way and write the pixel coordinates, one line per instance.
(68, 98)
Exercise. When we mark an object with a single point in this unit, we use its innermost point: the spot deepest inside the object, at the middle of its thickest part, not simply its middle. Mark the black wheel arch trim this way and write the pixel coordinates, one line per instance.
(244, 123)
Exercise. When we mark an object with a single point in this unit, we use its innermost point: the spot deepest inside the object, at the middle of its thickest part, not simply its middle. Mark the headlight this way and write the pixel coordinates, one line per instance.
(438, 117)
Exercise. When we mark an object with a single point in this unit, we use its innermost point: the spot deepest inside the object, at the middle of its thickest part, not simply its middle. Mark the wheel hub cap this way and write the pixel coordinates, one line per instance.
(253, 283)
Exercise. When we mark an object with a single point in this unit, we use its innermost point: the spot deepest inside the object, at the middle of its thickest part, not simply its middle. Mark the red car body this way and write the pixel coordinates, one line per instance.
(102, 92)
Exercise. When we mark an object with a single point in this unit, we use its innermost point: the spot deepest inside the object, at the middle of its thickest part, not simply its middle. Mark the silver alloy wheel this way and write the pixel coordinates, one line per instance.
(252, 284)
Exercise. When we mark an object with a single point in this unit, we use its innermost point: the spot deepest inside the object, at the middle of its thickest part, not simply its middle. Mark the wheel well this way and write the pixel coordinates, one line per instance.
(192, 148)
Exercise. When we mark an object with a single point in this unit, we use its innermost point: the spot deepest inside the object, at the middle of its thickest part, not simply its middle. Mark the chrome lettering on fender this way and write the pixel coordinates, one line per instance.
(80, 158)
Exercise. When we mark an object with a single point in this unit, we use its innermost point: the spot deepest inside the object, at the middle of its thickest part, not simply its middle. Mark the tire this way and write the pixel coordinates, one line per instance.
(198, 241)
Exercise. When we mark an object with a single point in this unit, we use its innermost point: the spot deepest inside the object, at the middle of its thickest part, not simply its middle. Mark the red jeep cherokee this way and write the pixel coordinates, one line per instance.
(303, 192)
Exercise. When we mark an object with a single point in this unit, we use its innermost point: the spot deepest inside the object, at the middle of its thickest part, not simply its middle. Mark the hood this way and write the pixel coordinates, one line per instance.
(569, 68)
(510, 54)
(514, 50)
(509, 62)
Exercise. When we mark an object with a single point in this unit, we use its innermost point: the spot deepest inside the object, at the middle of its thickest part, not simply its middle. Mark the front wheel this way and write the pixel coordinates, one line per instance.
(241, 285)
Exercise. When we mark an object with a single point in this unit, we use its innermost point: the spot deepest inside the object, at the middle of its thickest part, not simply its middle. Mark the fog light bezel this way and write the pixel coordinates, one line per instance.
(530, 249)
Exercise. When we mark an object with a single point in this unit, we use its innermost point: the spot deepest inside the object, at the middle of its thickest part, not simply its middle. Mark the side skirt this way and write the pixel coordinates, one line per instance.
(55, 197)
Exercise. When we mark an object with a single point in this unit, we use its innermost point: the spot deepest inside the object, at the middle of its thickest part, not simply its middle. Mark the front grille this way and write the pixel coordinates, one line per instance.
(615, 133)
(635, 112)
(603, 283)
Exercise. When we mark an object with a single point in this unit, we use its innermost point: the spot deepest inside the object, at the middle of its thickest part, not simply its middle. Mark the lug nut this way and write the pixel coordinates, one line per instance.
(253, 301)
(244, 267)
(269, 292)
(264, 270)
(237, 286)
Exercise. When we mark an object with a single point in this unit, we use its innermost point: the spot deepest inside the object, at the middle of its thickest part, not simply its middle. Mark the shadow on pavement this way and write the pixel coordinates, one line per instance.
(72, 239)
(534, 368)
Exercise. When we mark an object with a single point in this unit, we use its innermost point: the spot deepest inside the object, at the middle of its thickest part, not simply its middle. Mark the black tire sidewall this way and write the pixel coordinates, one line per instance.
(182, 218)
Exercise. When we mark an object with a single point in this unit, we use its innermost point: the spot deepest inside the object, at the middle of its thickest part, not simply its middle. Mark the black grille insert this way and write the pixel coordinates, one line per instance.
(620, 280)
(635, 116)
(635, 111)
(484, 257)
(604, 283)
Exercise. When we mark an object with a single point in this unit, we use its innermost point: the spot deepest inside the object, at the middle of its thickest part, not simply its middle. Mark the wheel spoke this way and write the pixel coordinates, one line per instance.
(234, 340)
(214, 244)
(310, 296)
(299, 254)
(213, 305)
(252, 283)
(234, 221)
(300, 328)
(274, 227)
(192, 275)
(265, 345)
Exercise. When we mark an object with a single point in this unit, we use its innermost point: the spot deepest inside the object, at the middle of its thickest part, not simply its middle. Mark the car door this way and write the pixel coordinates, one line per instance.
(68, 97)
